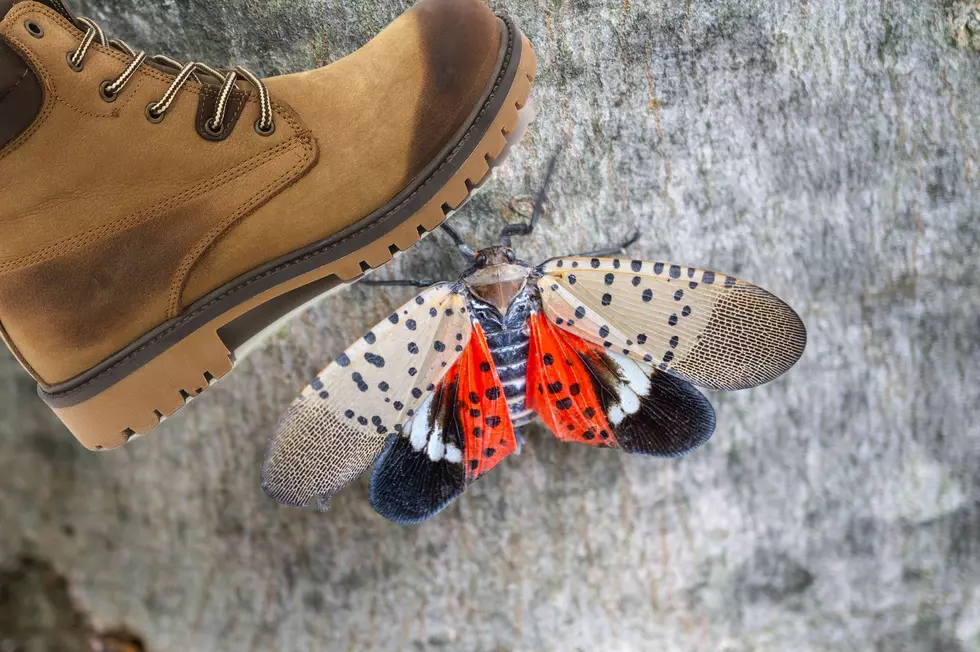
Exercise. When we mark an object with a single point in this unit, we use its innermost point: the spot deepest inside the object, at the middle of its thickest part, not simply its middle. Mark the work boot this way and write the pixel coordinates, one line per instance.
(156, 217)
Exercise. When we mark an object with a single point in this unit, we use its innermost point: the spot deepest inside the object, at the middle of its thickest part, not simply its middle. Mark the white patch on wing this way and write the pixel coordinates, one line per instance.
(616, 415)
(418, 427)
(634, 375)
(453, 454)
(628, 401)
(436, 448)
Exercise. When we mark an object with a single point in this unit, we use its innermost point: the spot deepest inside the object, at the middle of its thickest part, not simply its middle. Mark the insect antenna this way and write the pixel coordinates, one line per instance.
(527, 227)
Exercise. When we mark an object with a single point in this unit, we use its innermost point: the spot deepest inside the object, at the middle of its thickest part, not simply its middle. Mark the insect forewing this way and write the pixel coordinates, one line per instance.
(341, 421)
(709, 329)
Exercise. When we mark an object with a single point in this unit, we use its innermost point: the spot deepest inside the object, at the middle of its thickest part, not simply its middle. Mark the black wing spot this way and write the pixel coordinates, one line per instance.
(370, 338)
(606, 299)
(419, 300)
(675, 271)
(548, 359)
(678, 295)
(412, 371)
(416, 392)
(636, 265)
(641, 339)
(478, 432)
(574, 389)
(411, 325)
(658, 268)
(492, 393)
(474, 397)
(474, 413)
(668, 356)
(607, 344)
(362, 420)
(595, 263)
(730, 281)
(555, 387)
(490, 452)
(359, 381)
(636, 281)
(374, 359)
(674, 341)
(476, 463)
(438, 346)
(588, 435)
(563, 404)
(672, 320)
(648, 358)
(603, 331)
(492, 421)
(398, 405)
(383, 386)
(572, 279)
(413, 348)
(376, 420)
(343, 360)
(485, 367)
(579, 312)
(349, 414)
(686, 311)
(609, 278)
(393, 318)
(589, 412)
(433, 312)
(647, 295)
(616, 263)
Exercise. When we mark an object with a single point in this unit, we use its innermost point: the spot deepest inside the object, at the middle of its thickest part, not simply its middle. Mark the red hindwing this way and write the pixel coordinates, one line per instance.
(482, 410)
(561, 389)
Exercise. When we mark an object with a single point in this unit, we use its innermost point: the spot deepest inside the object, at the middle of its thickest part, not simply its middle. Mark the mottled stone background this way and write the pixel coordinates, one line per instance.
(829, 151)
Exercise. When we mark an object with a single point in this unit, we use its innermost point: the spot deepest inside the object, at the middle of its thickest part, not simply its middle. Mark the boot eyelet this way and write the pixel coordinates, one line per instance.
(211, 130)
(71, 65)
(34, 29)
(264, 132)
(155, 119)
(105, 94)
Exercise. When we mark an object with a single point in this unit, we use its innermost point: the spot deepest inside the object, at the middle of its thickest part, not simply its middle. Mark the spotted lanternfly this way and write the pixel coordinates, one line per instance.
(603, 350)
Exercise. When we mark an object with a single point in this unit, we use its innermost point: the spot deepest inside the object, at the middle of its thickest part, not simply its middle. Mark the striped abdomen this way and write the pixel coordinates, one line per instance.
(508, 347)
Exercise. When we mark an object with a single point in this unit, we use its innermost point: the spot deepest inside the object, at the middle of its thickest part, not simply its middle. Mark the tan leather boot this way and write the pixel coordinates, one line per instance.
(155, 216)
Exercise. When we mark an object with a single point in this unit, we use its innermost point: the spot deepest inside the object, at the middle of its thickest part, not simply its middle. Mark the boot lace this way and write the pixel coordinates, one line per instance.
(185, 71)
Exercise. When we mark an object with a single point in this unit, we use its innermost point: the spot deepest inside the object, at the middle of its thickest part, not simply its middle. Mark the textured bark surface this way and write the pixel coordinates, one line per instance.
(829, 151)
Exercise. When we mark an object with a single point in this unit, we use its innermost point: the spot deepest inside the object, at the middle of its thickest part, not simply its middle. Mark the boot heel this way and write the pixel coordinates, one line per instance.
(140, 401)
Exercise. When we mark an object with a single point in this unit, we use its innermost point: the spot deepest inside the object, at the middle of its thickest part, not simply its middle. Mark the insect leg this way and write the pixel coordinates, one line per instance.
(621, 249)
(410, 283)
(464, 248)
(527, 227)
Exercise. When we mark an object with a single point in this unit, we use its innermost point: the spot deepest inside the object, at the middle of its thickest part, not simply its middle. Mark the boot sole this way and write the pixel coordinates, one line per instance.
(130, 393)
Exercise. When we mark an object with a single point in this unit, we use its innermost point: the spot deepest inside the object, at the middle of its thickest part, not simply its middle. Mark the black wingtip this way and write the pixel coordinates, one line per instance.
(408, 488)
(673, 420)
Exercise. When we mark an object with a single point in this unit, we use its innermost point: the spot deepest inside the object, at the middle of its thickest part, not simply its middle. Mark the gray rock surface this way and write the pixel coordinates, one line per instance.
(829, 151)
